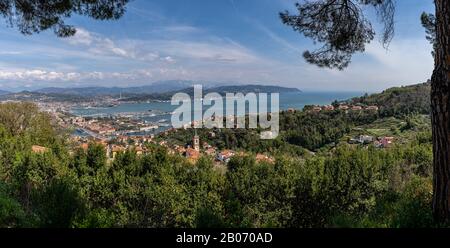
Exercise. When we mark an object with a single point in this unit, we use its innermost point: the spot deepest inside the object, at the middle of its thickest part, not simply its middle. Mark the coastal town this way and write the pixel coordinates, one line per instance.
(114, 141)
(129, 131)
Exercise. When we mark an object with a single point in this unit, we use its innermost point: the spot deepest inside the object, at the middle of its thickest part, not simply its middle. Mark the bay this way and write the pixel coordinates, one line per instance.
(160, 112)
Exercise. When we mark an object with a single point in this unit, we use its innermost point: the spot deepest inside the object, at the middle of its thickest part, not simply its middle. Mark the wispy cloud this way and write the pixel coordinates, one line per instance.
(97, 44)
(43, 75)
(276, 38)
(143, 60)
(217, 50)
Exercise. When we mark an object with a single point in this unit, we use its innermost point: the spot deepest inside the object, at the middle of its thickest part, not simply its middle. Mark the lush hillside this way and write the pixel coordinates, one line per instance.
(347, 186)
(400, 100)
(314, 131)
(317, 179)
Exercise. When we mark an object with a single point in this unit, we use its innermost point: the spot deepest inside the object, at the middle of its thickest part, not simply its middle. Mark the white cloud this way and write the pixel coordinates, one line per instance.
(99, 45)
(38, 76)
(204, 52)
(412, 55)
(277, 38)
(48, 76)
(217, 50)
(169, 59)
(81, 37)
(180, 29)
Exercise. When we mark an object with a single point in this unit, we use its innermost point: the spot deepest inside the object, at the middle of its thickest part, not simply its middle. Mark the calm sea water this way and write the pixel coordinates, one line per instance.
(160, 112)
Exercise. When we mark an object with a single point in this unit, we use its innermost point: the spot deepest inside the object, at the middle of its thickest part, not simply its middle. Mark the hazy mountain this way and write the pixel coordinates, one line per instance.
(161, 87)
(157, 87)
(243, 89)
(2, 92)
(220, 89)
(252, 88)
(43, 97)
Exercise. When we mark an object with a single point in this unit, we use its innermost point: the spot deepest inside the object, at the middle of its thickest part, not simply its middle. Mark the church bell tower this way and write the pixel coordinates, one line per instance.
(196, 142)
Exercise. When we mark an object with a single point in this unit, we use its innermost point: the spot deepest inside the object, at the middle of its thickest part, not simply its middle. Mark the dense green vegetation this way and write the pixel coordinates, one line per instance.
(402, 108)
(299, 130)
(345, 186)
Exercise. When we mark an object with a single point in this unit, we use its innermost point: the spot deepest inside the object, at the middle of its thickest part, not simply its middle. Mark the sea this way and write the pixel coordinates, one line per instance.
(159, 113)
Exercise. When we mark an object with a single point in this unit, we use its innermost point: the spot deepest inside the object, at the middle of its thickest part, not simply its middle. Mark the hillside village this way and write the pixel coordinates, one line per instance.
(117, 135)
(124, 132)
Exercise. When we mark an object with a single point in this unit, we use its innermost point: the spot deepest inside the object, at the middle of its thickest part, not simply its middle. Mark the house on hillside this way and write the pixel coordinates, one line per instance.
(316, 109)
(192, 154)
(114, 150)
(84, 146)
(264, 158)
(361, 139)
(211, 151)
(343, 107)
(139, 150)
(357, 108)
(328, 107)
(386, 142)
(372, 108)
(225, 156)
(39, 149)
(291, 110)
(179, 149)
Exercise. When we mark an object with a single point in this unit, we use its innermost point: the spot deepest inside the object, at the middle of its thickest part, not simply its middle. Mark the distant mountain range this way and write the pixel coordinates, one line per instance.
(222, 90)
(158, 87)
(45, 97)
(249, 88)
(2, 92)
(162, 90)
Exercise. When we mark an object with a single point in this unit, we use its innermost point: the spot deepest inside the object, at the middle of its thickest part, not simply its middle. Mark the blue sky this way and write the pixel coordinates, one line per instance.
(240, 41)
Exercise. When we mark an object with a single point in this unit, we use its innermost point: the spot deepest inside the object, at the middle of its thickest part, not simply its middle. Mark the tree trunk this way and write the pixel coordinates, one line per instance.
(440, 105)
